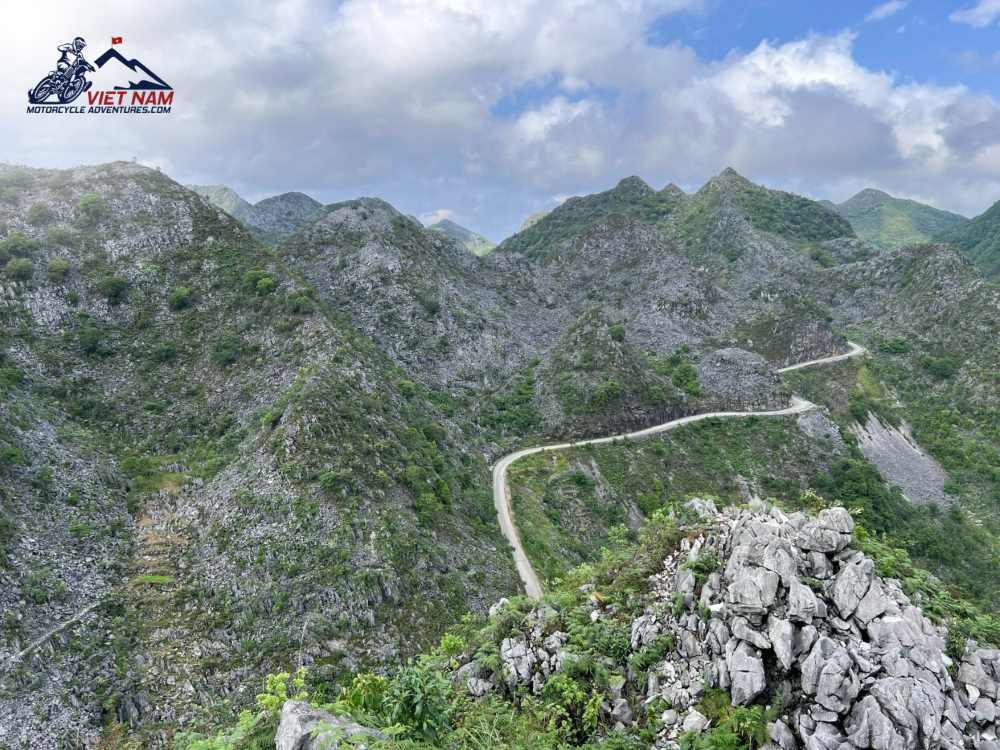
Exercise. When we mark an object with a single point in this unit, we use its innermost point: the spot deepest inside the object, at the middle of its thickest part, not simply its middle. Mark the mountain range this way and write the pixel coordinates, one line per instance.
(237, 438)
(270, 220)
(474, 243)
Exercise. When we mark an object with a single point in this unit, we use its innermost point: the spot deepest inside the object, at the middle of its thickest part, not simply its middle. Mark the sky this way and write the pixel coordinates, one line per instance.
(485, 112)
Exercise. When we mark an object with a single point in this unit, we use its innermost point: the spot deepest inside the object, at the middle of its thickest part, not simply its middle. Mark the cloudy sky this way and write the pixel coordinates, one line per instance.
(486, 111)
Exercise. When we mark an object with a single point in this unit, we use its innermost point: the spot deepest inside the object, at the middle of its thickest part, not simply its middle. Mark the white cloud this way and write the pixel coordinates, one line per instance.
(982, 14)
(890, 8)
(536, 125)
(410, 100)
(433, 217)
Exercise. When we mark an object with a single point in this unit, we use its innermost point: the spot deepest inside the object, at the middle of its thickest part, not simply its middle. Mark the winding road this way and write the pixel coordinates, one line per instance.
(501, 489)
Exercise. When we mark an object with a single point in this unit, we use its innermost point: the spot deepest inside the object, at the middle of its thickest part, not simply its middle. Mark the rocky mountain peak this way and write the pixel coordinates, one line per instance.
(227, 199)
(633, 186)
(471, 241)
(672, 191)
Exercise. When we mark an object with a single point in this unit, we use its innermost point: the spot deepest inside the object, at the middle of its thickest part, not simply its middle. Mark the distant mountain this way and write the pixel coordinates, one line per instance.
(225, 198)
(979, 240)
(890, 222)
(270, 220)
(533, 219)
(631, 197)
(278, 217)
(474, 243)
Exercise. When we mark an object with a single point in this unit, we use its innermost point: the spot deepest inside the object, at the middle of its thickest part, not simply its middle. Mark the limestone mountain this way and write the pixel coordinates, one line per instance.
(183, 423)
(631, 197)
(474, 243)
(979, 240)
(220, 459)
(227, 199)
(270, 220)
(532, 219)
(886, 221)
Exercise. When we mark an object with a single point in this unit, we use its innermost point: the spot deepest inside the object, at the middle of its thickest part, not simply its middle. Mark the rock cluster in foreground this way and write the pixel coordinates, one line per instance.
(779, 609)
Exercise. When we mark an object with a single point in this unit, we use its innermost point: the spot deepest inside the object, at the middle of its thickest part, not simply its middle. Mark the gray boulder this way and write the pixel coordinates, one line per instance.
(303, 727)
(746, 671)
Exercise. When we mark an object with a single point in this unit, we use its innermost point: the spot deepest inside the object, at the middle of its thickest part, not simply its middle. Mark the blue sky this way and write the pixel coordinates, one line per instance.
(918, 41)
(485, 112)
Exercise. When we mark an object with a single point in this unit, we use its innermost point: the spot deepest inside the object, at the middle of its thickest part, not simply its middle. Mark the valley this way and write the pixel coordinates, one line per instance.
(236, 439)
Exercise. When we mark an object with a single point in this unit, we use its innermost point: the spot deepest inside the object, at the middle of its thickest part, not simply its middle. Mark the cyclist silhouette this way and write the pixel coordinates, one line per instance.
(69, 79)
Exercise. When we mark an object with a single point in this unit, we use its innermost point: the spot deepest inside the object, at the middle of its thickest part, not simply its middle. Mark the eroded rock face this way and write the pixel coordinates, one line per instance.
(864, 667)
(792, 614)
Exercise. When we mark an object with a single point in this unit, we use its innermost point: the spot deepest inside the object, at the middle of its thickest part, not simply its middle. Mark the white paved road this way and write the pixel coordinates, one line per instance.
(501, 489)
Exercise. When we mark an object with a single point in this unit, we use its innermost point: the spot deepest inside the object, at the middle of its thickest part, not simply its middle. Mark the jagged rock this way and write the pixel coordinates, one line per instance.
(478, 687)
(831, 531)
(622, 712)
(868, 727)
(498, 606)
(741, 629)
(828, 674)
(303, 727)
(781, 735)
(746, 671)
(644, 631)
(695, 721)
(782, 635)
(801, 602)
(865, 669)
(851, 585)
(752, 591)
(517, 659)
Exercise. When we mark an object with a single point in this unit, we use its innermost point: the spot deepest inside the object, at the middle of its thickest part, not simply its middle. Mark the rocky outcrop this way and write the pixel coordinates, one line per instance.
(781, 610)
(303, 727)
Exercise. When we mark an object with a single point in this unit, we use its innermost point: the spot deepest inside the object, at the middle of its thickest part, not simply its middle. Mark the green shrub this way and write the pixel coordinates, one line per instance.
(605, 393)
(940, 368)
(114, 289)
(179, 298)
(733, 727)
(894, 346)
(91, 209)
(165, 351)
(429, 301)
(300, 303)
(17, 246)
(39, 215)
(364, 698)
(418, 698)
(685, 377)
(19, 269)
(91, 340)
(259, 282)
(57, 270)
(617, 332)
(61, 236)
(227, 350)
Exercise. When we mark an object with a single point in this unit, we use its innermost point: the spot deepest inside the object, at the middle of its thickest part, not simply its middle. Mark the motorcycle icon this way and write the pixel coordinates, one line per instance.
(65, 85)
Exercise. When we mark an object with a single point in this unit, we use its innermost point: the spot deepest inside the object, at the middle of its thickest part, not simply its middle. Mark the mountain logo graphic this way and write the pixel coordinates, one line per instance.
(148, 80)
(69, 80)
